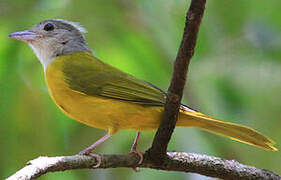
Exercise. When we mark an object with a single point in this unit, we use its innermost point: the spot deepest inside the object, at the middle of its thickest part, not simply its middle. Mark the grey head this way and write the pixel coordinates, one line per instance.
(52, 38)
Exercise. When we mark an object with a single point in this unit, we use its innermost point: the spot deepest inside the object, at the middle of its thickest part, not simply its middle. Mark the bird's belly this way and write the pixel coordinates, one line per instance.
(104, 113)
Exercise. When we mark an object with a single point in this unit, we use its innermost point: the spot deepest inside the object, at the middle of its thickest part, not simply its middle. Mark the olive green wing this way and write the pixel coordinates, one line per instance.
(85, 73)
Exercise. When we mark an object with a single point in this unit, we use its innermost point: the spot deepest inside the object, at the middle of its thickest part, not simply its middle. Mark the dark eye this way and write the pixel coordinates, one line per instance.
(49, 27)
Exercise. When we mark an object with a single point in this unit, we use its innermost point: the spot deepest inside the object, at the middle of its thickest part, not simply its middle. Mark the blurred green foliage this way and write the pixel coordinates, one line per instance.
(235, 75)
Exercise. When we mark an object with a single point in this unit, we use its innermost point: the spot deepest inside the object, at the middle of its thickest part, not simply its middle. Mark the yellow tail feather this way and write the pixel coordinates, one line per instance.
(234, 131)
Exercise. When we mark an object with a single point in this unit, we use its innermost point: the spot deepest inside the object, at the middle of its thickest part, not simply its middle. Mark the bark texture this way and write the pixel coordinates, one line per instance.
(174, 161)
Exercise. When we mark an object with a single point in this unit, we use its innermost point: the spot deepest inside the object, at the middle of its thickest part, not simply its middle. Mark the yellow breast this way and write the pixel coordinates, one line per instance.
(96, 111)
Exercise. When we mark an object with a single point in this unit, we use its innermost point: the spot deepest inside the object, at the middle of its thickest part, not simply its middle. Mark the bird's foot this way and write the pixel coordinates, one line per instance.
(141, 158)
(139, 154)
(96, 156)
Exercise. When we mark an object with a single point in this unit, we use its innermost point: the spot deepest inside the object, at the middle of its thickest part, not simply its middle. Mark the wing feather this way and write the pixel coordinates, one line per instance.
(85, 73)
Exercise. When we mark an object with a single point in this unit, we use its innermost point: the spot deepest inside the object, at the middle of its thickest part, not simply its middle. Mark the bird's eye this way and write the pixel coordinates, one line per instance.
(49, 27)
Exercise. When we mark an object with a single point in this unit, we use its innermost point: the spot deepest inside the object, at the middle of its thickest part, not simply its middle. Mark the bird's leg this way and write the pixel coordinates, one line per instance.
(134, 147)
(89, 149)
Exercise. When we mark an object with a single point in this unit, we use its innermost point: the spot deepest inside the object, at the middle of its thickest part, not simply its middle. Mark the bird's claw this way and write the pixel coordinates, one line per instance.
(96, 156)
(139, 154)
(140, 161)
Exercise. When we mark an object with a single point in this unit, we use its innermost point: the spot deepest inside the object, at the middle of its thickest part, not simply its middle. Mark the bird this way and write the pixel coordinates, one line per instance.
(101, 96)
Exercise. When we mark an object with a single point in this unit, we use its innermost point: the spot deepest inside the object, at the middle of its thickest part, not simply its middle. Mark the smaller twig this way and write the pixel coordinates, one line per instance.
(194, 16)
(175, 161)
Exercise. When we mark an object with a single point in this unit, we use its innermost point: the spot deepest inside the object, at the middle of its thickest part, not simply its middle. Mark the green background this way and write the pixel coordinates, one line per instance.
(235, 75)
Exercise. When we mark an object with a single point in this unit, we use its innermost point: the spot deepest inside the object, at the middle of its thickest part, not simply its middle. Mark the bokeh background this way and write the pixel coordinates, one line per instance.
(235, 75)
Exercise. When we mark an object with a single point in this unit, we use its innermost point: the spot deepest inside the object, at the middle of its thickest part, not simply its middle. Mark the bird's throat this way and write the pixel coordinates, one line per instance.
(45, 57)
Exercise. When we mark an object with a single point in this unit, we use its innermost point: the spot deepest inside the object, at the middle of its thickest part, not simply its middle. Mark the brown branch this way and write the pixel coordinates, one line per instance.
(193, 19)
(175, 161)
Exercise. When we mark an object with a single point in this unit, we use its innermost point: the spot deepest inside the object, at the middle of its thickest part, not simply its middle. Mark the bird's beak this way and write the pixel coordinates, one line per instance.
(25, 36)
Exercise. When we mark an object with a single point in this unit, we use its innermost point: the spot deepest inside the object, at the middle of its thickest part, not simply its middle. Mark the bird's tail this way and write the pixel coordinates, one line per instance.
(188, 117)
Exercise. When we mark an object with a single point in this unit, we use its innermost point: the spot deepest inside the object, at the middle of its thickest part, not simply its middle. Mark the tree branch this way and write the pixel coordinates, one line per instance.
(157, 152)
(175, 161)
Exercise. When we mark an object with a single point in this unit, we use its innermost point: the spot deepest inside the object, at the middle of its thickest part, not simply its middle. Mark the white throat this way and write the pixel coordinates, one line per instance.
(43, 56)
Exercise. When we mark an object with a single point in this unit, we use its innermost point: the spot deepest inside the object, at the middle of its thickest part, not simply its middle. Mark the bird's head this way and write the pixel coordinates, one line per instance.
(52, 38)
